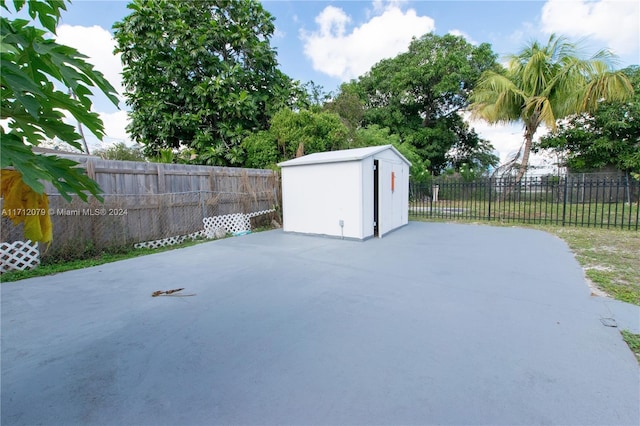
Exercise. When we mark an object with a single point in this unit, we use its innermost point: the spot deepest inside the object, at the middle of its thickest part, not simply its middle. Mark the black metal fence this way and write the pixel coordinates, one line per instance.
(573, 200)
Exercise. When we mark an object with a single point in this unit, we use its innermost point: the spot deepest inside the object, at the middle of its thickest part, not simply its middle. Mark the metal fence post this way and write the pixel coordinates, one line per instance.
(202, 203)
(431, 200)
(490, 186)
(564, 200)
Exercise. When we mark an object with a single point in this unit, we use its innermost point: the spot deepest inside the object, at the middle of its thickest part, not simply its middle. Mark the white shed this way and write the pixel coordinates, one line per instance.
(353, 193)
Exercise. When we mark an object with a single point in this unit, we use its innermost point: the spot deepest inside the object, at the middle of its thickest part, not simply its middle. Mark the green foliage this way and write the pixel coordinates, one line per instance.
(32, 63)
(543, 84)
(633, 340)
(295, 133)
(373, 135)
(201, 75)
(610, 136)
(472, 155)
(306, 132)
(165, 155)
(120, 151)
(313, 97)
(419, 94)
(182, 155)
(261, 150)
(348, 105)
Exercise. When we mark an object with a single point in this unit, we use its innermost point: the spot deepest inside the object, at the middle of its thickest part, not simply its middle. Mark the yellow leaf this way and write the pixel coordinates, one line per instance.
(23, 205)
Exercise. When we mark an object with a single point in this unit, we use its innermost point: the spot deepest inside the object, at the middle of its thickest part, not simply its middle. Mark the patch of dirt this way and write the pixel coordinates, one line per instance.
(595, 291)
(598, 268)
(607, 249)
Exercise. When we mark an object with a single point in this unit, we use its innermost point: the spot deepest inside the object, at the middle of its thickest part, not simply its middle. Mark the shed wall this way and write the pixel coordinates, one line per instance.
(393, 197)
(317, 197)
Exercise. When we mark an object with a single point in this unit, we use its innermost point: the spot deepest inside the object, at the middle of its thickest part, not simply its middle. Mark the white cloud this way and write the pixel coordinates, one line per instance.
(507, 139)
(98, 44)
(379, 6)
(345, 55)
(114, 126)
(332, 19)
(279, 34)
(615, 22)
(464, 35)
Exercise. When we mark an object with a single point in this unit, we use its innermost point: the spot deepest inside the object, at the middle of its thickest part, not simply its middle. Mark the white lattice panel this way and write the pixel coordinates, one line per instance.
(237, 222)
(171, 241)
(254, 214)
(229, 222)
(214, 227)
(19, 256)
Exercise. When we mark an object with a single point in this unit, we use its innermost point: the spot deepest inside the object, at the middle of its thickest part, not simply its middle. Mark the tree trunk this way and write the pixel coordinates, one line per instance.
(528, 141)
(84, 140)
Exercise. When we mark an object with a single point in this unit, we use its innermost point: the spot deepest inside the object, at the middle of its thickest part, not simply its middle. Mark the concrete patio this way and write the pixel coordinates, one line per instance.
(433, 324)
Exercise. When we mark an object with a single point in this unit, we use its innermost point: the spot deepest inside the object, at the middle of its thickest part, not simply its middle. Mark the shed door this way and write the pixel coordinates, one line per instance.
(390, 191)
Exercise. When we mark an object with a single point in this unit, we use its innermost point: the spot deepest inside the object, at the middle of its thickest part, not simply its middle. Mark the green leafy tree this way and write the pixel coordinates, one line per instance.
(313, 97)
(33, 67)
(120, 151)
(545, 83)
(200, 74)
(419, 95)
(261, 150)
(608, 137)
(470, 152)
(295, 133)
(374, 135)
(349, 106)
(306, 132)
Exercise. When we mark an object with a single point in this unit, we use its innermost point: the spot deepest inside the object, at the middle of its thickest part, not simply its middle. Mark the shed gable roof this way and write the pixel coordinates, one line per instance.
(343, 155)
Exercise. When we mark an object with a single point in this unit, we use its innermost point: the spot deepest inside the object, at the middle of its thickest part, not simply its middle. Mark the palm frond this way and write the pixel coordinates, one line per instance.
(496, 99)
(610, 86)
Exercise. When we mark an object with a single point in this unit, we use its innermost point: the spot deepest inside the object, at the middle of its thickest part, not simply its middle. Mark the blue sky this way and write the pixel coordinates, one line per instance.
(332, 41)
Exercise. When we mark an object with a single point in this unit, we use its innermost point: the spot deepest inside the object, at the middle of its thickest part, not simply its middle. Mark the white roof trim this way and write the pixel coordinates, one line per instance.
(343, 155)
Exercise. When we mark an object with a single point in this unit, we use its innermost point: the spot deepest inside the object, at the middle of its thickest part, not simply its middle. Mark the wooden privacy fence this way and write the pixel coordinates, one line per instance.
(147, 202)
(133, 177)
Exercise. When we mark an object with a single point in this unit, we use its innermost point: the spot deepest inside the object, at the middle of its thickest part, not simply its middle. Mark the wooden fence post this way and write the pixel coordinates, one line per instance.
(160, 177)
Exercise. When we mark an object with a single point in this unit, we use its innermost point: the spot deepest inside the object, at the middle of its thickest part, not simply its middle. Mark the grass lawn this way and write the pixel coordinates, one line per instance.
(610, 258)
(54, 267)
(633, 340)
(606, 215)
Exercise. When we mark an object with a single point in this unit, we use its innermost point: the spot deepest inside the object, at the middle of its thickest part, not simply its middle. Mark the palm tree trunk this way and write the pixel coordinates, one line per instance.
(524, 164)
(528, 141)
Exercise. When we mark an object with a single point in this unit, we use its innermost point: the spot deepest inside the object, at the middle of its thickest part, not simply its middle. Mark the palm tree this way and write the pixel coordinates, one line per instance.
(543, 84)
